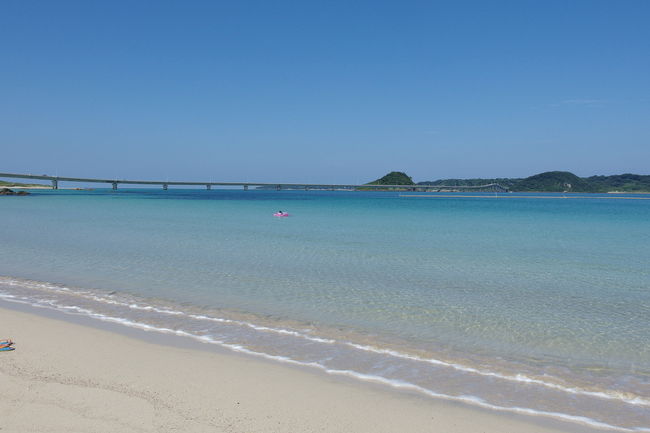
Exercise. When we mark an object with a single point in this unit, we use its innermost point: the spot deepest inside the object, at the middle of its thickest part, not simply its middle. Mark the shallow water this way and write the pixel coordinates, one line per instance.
(511, 302)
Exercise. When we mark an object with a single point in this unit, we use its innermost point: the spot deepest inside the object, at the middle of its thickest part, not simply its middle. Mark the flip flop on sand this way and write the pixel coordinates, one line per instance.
(6, 348)
(6, 343)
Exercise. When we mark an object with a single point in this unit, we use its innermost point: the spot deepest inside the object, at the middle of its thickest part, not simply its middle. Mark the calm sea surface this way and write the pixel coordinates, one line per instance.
(535, 304)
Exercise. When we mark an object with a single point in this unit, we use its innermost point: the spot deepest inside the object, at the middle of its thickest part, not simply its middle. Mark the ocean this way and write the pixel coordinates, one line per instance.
(529, 303)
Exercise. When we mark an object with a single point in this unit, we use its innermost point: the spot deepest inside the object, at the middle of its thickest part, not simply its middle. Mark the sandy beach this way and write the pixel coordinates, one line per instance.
(70, 377)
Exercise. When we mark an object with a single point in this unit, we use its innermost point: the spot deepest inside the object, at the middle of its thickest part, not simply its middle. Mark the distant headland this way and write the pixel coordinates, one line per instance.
(550, 181)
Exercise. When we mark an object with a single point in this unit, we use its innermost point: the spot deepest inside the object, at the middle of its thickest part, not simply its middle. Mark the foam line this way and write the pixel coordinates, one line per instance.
(637, 401)
(398, 384)
(519, 378)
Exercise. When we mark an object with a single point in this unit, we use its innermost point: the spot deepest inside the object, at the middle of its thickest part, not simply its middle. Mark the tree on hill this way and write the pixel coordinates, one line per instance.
(393, 178)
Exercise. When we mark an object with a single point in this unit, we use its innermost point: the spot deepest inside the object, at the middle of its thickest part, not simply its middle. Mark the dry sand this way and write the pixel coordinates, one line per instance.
(67, 377)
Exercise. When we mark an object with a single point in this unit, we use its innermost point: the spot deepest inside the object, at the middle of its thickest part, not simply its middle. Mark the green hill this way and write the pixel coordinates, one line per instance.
(393, 178)
(554, 181)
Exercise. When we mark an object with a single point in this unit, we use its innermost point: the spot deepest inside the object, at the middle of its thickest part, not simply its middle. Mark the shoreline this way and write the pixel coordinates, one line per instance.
(229, 391)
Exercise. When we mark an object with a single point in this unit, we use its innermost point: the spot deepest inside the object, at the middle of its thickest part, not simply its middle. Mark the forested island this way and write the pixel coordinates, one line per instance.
(550, 181)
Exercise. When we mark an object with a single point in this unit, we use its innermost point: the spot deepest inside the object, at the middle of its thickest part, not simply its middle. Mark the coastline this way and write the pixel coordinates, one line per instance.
(69, 373)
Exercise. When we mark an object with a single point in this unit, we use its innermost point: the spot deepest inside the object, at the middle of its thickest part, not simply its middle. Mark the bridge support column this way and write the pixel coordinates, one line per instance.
(165, 186)
(55, 184)
(208, 187)
(114, 184)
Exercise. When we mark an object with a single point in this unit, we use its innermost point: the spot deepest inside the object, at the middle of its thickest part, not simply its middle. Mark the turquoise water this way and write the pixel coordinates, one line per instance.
(537, 304)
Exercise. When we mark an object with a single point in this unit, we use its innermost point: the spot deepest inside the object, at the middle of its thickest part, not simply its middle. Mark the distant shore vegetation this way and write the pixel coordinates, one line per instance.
(550, 181)
(559, 181)
(4, 184)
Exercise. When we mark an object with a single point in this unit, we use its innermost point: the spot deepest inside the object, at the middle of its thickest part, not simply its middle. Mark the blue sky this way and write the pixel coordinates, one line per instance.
(324, 91)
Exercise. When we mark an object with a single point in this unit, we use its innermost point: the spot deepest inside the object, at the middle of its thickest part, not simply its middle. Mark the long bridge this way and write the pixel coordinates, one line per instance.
(492, 187)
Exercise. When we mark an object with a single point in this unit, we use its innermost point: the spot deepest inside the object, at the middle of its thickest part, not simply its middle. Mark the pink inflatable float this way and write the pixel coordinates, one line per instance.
(281, 214)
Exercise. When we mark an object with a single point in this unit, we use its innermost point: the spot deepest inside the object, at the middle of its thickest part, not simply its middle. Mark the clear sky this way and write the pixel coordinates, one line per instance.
(324, 91)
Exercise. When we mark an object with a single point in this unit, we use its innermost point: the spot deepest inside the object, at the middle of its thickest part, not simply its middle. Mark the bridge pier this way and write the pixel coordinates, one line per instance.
(165, 186)
(55, 184)
(208, 187)
(114, 184)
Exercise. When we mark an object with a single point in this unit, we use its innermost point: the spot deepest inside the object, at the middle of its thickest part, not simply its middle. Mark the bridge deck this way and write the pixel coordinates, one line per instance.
(115, 182)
